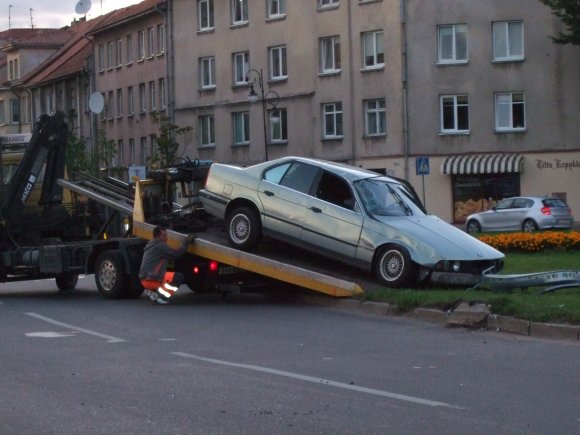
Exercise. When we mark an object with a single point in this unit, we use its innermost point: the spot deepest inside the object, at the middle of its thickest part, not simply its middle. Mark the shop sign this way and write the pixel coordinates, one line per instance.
(558, 164)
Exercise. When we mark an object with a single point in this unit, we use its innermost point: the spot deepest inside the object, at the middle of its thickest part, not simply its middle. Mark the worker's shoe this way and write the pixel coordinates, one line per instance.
(157, 298)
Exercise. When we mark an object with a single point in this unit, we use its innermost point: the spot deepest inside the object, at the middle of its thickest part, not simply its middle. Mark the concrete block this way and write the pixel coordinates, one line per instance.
(431, 315)
(468, 315)
(557, 332)
(515, 326)
(376, 308)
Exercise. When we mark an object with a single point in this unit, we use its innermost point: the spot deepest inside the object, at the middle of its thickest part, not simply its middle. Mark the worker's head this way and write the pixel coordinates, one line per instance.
(160, 233)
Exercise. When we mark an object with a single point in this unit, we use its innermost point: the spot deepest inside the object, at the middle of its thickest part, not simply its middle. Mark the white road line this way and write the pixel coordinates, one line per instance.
(109, 338)
(321, 381)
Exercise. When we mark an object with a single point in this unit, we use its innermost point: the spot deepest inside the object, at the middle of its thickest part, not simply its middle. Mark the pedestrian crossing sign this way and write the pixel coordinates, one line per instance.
(422, 165)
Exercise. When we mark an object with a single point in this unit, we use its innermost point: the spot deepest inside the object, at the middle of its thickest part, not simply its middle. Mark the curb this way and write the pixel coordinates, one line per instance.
(492, 322)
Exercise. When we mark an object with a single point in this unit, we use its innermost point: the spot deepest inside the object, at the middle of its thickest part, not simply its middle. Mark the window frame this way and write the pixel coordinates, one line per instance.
(377, 39)
(150, 42)
(162, 94)
(119, 53)
(507, 39)
(129, 50)
(334, 43)
(280, 6)
(456, 114)
(245, 64)
(15, 110)
(512, 107)
(379, 112)
(152, 96)
(325, 4)
(130, 101)
(207, 70)
(119, 103)
(142, 98)
(337, 115)
(278, 61)
(206, 126)
(454, 59)
(141, 45)
(239, 7)
(209, 14)
(278, 131)
(244, 118)
(161, 39)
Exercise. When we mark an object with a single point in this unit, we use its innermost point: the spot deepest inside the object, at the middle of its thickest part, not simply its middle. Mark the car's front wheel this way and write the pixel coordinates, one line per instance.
(393, 266)
(244, 228)
(529, 226)
(473, 227)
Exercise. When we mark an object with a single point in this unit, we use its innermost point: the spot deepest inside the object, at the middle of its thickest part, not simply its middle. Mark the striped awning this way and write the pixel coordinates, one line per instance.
(483, 164)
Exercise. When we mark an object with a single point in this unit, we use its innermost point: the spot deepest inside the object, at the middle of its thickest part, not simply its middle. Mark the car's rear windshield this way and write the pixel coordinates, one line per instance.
(554, 202)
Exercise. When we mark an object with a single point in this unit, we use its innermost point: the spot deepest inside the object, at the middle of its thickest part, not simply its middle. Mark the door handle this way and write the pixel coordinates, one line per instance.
(316, 209)
(268, 193)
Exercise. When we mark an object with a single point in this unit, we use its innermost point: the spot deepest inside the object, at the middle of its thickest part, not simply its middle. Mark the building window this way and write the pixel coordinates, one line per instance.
(152, 96)
(206, 130)
(2, 113)
(241, 121)
(111, 105)
(119, 103)
(508, 40)
(327, 3)
(278, 68)
(161, 38)
(13, 69)
(278, 125)
(25, 104)
(332, 120)
(241, 67)
(150, 42)
(142, 98)
(373, 49)
(510, 111)
(143, 146)
(452, 43)
(276, 8)
(130, 101)
(120, 160)
(205, 14)
(101, 57)
(141, 45)
(454, 113)
(14, 111)
(162, 94)
(129, 49)
(239, 11)
(110, 54)
(330, 54)
(375, 118)
(119, 53)
(132, 150)
(207, 72)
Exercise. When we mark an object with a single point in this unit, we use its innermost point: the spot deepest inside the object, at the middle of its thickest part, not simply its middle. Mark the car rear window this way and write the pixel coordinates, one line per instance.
(554, 202)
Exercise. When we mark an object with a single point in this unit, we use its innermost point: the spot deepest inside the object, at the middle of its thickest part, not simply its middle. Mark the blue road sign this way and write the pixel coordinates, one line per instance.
(422, 165)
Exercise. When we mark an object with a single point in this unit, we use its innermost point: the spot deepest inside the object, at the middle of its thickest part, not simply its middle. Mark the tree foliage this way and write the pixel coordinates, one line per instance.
(166, 144)
(569, 12)
(79, 158)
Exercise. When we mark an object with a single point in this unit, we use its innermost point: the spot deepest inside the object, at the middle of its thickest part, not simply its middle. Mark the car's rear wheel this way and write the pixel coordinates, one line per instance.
(473, 227)
(244, 228)
(393, 266)
(529, 226)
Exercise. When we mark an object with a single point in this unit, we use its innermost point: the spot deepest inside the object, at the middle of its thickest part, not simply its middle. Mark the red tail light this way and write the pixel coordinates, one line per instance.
(546, 211)
(213, 266)
(195, 270)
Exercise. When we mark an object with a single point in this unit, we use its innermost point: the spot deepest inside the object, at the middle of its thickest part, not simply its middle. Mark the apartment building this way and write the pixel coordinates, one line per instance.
(130, 71)
(471, 101)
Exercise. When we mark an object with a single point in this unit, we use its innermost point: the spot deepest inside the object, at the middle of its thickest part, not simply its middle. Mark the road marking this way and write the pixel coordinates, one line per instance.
(50, 334)
(321, 381)
(109, 338)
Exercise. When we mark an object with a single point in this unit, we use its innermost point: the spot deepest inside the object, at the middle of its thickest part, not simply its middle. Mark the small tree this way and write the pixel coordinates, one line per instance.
(77, 157)
(104, 152)
(569, 12)
(166, 145)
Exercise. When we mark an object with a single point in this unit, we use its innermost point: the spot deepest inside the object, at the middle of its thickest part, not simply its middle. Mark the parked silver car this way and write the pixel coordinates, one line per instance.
(346, 213)
(522, 213)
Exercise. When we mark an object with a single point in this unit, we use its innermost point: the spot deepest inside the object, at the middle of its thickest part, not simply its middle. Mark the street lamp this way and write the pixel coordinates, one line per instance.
(270, 97)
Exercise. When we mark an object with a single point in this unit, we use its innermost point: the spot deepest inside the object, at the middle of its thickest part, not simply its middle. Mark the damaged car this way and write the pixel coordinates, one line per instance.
(350, 214)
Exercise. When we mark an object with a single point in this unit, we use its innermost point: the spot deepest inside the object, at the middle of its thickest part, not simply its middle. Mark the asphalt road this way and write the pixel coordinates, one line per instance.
(75, 363)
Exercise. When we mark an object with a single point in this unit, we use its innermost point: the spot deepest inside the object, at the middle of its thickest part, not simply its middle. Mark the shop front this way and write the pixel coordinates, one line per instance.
(480, 180)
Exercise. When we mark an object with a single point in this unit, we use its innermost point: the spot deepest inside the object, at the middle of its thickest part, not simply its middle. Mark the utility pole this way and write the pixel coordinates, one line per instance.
(9, 16)
(31, 20)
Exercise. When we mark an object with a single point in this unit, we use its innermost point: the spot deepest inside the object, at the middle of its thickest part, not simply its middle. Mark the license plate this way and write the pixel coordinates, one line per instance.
(227, 270)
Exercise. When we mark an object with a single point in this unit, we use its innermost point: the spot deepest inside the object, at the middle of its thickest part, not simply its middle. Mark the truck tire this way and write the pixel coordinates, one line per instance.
(244, 229)
(110, 275)
(66, 281)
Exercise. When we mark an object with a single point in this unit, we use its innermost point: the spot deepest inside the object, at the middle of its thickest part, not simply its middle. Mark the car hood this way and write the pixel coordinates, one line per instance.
(449, 242)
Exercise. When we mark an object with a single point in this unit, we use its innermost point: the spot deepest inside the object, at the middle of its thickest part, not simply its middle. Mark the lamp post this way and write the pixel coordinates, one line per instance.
(271, 97)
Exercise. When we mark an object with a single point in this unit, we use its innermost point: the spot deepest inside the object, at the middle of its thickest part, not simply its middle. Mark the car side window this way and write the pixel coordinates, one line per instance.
(335, 190)
(275, 174)
(300, 176)
(504, 204)
(520, 203)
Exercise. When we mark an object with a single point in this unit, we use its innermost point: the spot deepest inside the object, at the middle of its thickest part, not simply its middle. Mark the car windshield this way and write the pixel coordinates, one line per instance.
(382, 197)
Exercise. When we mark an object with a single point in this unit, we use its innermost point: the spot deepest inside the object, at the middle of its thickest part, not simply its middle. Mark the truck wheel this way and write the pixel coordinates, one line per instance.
(244, 228)
(110, 275)
(66, 281)
(393, 266)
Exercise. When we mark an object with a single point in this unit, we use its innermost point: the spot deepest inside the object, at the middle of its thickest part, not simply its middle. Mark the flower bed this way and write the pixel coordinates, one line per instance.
(533, 242)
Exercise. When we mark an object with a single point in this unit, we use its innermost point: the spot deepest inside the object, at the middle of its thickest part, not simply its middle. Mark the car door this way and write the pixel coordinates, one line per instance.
(519, 211)
(333, 221)
(283, 192)
(497, 219)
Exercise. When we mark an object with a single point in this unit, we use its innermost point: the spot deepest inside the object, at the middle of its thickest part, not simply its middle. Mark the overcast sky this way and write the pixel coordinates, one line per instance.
(51, 13)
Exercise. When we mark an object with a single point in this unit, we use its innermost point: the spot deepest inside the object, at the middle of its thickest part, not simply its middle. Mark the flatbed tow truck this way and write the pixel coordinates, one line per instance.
(61, 241)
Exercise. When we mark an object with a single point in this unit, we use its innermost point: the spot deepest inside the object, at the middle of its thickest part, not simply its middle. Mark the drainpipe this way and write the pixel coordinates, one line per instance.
(351, 83)
(404, 83)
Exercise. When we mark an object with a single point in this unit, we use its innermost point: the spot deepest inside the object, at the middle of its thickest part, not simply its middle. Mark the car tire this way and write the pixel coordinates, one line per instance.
(110, 275)
(529, 226)
(473, 227)
(394, 267)
(244, 228)
(66, 281)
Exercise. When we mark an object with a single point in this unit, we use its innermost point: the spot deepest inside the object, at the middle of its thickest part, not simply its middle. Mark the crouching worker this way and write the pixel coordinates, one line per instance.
(159, 283)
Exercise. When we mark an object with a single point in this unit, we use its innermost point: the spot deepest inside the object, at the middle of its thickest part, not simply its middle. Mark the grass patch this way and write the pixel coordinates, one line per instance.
(561, 306)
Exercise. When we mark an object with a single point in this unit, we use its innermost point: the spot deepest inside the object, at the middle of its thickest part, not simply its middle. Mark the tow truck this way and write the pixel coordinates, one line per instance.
(61, 240)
